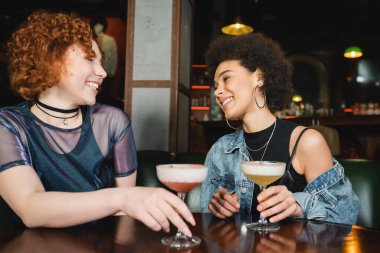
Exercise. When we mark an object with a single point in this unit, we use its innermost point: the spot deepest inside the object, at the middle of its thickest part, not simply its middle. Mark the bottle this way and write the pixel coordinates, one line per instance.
(343, 107)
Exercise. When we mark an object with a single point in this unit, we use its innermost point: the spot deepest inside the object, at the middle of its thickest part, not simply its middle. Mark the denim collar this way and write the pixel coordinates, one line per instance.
(237, 142)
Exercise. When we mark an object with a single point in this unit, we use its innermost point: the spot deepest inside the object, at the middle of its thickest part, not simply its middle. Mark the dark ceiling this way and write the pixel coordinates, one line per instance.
(299, 25)
(317, 28)
(104, 7)
(12, 12)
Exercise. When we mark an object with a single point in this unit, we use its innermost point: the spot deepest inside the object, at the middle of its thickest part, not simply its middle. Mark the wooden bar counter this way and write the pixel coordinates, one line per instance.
(124, 234)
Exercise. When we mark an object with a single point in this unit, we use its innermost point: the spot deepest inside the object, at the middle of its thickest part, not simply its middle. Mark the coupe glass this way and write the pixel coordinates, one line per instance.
(181, 178)
(263, 173)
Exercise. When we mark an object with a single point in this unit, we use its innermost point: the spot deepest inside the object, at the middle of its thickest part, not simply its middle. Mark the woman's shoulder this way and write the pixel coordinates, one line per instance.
(313, 152)
(15, 119)
(309, 136)
(14, 111)
(14, 108)
(309, 140)
(104, 108)
(108, 112)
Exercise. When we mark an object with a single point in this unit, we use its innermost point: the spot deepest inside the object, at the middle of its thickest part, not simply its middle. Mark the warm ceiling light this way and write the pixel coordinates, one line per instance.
(353, 52)
(297, 98)
(237, 29)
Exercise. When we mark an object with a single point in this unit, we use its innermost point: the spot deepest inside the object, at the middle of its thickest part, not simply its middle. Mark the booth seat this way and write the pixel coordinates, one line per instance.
(364, 176)
(147, 161)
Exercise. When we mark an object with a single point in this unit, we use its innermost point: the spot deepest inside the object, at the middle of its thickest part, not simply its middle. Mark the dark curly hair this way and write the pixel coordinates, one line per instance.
(37, 50)
(256, 51)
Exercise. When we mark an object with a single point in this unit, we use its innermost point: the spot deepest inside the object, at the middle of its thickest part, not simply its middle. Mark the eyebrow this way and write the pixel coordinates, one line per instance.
(228, 70)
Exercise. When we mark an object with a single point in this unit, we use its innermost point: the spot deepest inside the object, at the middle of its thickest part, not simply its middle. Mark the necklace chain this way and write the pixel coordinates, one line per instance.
(264, 146)
(65, 122)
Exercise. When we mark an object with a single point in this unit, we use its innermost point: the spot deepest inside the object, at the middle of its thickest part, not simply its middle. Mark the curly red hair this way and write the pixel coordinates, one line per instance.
(37, 50)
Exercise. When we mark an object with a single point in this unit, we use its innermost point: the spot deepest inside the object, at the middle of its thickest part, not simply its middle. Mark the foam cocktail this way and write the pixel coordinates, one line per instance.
(181, 178)
(263, 173)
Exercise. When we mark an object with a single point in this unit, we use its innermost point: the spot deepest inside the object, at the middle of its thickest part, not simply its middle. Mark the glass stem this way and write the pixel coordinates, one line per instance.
(181, 195)
(262, 220)
(179, 233)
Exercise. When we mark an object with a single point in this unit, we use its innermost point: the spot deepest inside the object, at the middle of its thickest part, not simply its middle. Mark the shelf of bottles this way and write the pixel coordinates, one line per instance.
(203, 105)
(200, 100)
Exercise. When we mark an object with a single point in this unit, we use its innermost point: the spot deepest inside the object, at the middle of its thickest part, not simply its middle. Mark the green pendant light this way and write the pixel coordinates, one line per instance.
(353, 52)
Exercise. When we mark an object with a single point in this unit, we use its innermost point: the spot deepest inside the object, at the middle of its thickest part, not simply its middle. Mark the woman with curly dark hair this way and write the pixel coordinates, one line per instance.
(252, 80)
(65, 160)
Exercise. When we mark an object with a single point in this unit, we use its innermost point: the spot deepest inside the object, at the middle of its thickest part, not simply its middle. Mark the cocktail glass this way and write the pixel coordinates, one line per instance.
(181, 178)
(263, 173)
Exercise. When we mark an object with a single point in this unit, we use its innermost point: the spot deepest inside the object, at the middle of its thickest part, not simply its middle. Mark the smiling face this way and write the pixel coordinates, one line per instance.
(234, 87)
(81, 77)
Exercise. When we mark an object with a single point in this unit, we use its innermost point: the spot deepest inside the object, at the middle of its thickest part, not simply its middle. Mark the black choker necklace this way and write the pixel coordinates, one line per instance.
(65, 122)
(54, 109)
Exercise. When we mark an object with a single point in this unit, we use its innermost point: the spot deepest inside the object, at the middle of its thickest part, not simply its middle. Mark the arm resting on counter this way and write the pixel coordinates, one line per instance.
(330, 197)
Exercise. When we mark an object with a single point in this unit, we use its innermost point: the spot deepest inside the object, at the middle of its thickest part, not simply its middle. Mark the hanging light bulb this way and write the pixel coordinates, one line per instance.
(297, 98)
(353, 52)
(238, 28)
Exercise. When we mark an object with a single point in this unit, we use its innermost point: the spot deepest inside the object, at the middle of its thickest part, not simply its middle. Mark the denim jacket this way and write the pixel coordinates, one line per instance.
(328, 197)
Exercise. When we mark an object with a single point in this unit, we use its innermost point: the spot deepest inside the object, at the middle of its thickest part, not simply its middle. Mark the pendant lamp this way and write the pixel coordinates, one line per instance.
(353, 52)
(238, 28)
(297, 98)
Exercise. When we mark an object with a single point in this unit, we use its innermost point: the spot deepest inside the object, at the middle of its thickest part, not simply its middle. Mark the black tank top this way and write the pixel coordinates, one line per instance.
(277, 150)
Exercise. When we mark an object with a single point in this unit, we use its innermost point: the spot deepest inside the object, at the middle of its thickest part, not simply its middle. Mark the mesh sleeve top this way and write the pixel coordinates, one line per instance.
(81, 159)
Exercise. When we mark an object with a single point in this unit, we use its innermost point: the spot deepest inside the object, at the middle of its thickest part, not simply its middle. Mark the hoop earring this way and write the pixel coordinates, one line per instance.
(265, 99)
(235, 128)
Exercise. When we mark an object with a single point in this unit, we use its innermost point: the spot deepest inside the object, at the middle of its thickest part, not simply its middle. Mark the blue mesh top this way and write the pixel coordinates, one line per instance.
(81, 159)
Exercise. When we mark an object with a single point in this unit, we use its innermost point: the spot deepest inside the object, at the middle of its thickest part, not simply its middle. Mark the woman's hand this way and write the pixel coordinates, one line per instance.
(223, 204)
(278, 203)
(156, 207)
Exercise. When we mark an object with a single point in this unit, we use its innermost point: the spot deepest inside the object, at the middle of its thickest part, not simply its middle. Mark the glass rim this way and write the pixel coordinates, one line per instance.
(257, 162)
(181, 165)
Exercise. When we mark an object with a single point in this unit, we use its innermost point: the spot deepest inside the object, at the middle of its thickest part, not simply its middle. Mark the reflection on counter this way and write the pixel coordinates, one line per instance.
(231, 234)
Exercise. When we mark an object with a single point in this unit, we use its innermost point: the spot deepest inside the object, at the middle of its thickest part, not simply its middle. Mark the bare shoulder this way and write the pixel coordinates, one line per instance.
(313, 156)
(309, 138)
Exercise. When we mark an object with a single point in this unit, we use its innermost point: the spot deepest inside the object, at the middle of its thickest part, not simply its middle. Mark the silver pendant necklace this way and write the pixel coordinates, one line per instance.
(264, 146)
(65, 119)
